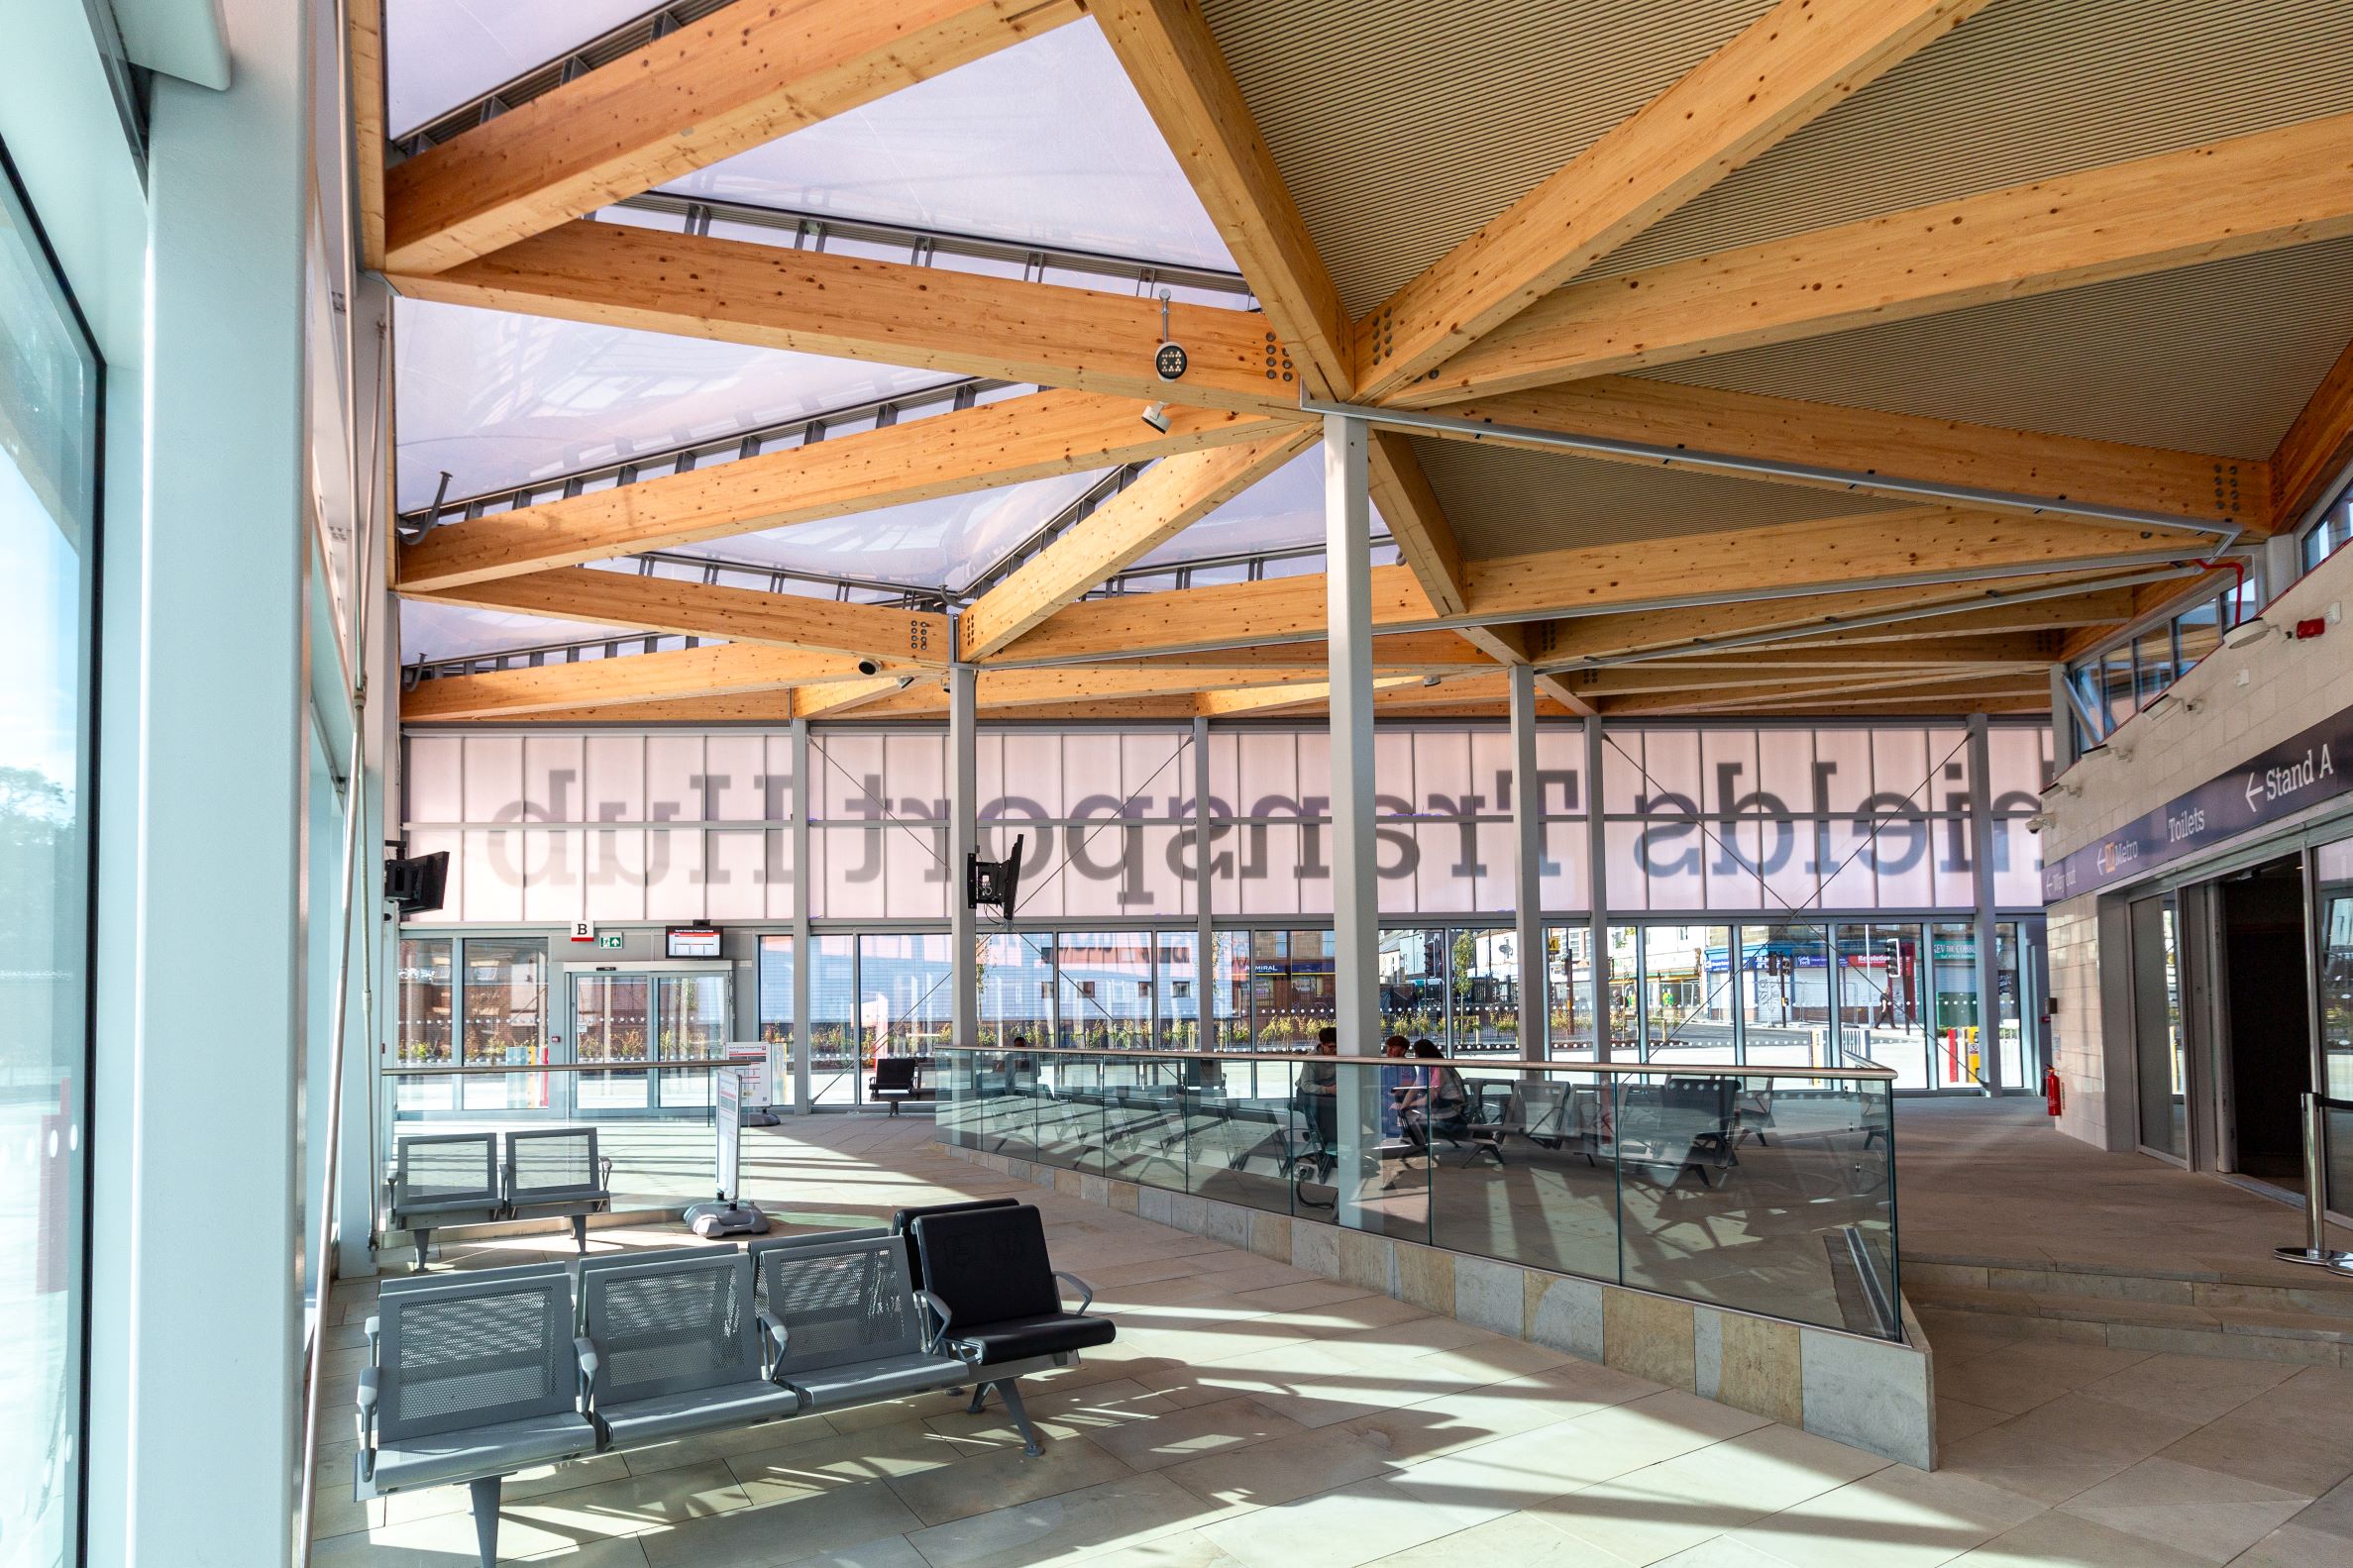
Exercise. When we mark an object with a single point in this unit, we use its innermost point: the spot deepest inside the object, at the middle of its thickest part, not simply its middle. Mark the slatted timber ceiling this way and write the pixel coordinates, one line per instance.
(2026, 90)
(1515, 501)
(2216, 357)
(1401, 127)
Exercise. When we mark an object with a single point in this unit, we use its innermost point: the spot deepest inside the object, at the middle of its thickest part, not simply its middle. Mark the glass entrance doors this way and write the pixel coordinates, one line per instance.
(635, 1020)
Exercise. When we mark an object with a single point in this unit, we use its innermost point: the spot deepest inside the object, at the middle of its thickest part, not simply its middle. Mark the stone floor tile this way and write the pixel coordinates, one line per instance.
(1344, 1528)
(1516, 1540)
(1273, 1473)
(792, 1531)
(1657, 1510)
(1112, 1515)
(1896, 1517)
(1181, 1435)
(2028, 1374)
(2067, 1540)
(1003, 1478)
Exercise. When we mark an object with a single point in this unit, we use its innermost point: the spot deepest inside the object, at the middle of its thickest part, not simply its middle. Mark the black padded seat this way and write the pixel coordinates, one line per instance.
(988, 1271)
(902, 1223)
(1046, 1334)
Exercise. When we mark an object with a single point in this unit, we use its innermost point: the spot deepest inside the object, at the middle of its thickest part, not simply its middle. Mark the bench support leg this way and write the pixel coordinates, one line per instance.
(980, 1393)
(1021, 1416)
(579, 1234)
(486, 1519)
(424, 1245)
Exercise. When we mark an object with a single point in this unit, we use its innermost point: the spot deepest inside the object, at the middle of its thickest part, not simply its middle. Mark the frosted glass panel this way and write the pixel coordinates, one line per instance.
(674, 778)
(552, 877)
(616, 874)
(493, 777)
(616, 779)
(674, 874)
(551, 777)
(735, 874)
(736, 770)
(435, 767)
(494, 875)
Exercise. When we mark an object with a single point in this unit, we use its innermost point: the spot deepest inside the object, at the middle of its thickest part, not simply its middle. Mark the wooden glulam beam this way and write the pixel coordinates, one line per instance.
(844, 695)
(1927, 611)
(853, 308)
(1789, 696)
(1177, 69)
(634, 678)
(708, 609)
(1800, 58)
(1401, 492)
(2313, 456)
(714, 88)
(1280, 698)
(1789, 557)
(1033, 437)
(364, 20)
(2238, 197)
(1414, 653)
(1162, 502)
(745, 707)
(1891, 447)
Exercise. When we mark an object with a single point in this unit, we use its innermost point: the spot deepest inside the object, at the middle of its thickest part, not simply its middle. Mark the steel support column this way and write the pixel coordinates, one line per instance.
(1528, 856)
(803, 799)
(1355, 908)
(963, 838)
(1981, 817)
(1205, 934)
(1597, 890)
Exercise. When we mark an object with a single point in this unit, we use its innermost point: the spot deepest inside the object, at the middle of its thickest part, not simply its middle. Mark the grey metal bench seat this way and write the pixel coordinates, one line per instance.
(845, 1328)
(471, 1380)
(672, 1349)
(553, 1171)
(443, 1179)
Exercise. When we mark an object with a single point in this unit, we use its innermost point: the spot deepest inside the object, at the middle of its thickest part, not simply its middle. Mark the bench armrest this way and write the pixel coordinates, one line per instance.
(938, 1313)
(367, 1401)
(1086, 1291)
(591, 1365)
(773, 1328)
(375, 1332)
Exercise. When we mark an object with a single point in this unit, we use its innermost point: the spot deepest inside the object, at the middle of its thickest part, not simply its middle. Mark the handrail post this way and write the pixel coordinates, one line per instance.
(2316, 1249)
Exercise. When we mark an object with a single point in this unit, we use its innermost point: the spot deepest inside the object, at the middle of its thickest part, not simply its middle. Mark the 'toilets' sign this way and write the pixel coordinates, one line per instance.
(2302, 770)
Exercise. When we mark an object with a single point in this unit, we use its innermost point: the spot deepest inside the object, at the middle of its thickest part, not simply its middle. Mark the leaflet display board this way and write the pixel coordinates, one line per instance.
(728, 1109)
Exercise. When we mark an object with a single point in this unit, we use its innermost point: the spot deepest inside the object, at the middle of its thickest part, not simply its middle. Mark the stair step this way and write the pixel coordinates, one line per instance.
(2315, 1338)
(2329, 1295)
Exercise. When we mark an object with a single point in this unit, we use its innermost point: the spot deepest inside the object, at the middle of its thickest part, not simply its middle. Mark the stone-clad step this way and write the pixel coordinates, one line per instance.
(2152, 1310)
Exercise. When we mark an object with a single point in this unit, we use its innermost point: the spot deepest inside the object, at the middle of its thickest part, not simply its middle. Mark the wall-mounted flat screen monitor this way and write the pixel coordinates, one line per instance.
(693, 941)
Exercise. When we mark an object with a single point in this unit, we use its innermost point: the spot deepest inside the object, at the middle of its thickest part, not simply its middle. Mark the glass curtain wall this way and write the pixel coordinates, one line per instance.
(1784, 996)
(776, 1015)
(49, 559)
(1103, 990)
(506, 1002)
(833, 1020)
(1956, 1043)
(1568, 985)
(1881, 1011)
(428, 1001)
(1016, 988)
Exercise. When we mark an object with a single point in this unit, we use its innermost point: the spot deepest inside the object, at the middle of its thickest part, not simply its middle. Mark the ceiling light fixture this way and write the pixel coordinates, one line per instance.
(1156, 416)
(2246, 634)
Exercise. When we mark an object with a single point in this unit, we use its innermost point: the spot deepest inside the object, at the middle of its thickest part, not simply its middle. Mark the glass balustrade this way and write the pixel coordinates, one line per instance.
(1765, 1191)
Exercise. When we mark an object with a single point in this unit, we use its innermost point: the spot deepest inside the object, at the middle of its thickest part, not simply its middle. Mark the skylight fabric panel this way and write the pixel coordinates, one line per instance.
(1043, 144)
(941, 544)
(500, 400)
(439, 53)
(1283, 511)
(450, 631)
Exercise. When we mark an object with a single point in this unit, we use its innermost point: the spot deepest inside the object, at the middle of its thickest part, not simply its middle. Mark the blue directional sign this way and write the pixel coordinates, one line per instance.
(2298, 773)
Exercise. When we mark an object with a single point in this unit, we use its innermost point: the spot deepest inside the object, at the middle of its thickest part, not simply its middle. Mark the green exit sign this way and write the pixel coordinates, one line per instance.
(612, 940)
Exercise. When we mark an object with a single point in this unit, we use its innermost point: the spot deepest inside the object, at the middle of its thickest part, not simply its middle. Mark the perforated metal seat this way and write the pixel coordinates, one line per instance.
(557, 1168)
(843, 1321)
(441, 1178)
(472, 1379)
(672, 1349)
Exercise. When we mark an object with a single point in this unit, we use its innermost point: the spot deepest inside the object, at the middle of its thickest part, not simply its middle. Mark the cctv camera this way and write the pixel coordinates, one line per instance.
(867, 667)
(1156, 416)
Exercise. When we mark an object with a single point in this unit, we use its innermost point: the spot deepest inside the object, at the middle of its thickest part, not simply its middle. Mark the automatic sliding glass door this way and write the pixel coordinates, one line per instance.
(634, 1021)
(611, 1021)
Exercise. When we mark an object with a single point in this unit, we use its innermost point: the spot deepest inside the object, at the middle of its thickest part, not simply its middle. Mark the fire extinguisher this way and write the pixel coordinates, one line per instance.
(2052, 1099)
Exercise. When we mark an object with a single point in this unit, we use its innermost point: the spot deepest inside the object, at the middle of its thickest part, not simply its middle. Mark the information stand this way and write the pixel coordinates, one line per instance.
(727, 1214)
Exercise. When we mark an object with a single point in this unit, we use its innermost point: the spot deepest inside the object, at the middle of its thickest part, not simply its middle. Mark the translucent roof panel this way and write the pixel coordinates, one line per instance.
(1043, 143)
(439, 53)
(940, 544)
(500, 400)
(450, 631)
(1283, 511)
